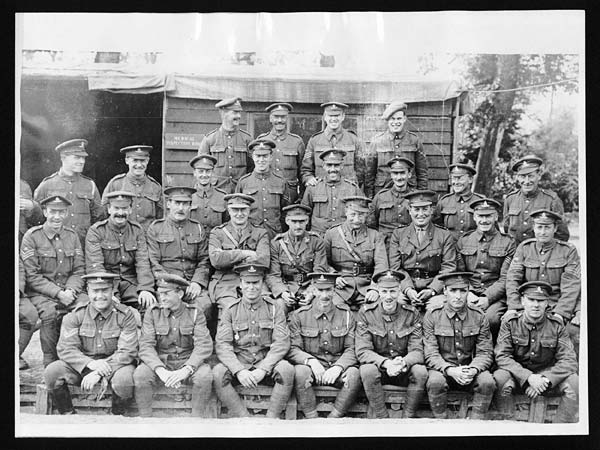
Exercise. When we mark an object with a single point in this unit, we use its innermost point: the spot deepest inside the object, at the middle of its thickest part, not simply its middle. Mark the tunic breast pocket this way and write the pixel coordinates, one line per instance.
(193, 243)
(86, 336)
(435, 258)
(310, 339)
(497, 256)
(290, 160)
(340, 254)
(388, 213)
(449, 214)
(240, 154)
(110, 336)
(548, 347)
(514, 217)
(338, 339)
(532, 269)
(555, 269)
(149, 203)
(218, 151)
(187, 336)
(131, 246)
(470, 334)
(266, 332)
(164, 241)
(320, 205)
(444, 336)
(82, 205)
(520, 345)
(240, 332)
(402, 337)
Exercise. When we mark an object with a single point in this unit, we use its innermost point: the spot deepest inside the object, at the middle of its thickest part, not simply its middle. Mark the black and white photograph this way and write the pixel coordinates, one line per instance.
(300, 224)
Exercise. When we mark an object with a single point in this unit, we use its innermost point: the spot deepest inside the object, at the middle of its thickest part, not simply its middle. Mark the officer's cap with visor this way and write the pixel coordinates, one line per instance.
(56, 202)
(456, 279)
(420, 197)
(484, 206)
(527, 164)
(230, 104)
(393, 108)
(297, 211)
(545, 217)
(323, 279)
(333, 156)
(400, 163)
(261, 146)
(536, 290)
(73, 147)
(142, 151)
(180, 193)
(120, 198)
(203, 162)
(170, 281)
(357, 203)
(100, 280)
(462, 169)
(388, 278)
(251, 272)
(334, 108)
(238, 200)
(280, 108)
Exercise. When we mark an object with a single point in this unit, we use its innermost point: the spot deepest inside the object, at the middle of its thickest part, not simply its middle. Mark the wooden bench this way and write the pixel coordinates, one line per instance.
(257, 402)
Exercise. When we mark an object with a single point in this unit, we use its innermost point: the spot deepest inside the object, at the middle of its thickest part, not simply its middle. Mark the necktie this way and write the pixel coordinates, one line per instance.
(333, 140)
(420, 235)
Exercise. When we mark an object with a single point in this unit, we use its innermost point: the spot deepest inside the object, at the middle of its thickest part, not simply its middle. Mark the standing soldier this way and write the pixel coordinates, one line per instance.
(530, 197)
(294, 254)
(174, 346)
(335, 136)
(487, 253)
(458, 349)
(81, 192)
(325, 197)
(208, 204)
(98, 344)
(54, 264)
(389, 209)
(235, 242)
(322, 349)
(118, 245)
(269, 190)
(147, 201)
(545, 258)
(389, 346)
(394, 142)
(229, 144)
(178, 245)
(30, 213)
(289, 150)
(252, 340)
(423, 250)
(356, 252)
(534, 354)
(453, 208)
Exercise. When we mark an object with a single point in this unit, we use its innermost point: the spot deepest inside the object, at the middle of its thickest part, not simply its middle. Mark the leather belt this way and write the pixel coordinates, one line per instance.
(358, 270)
(298, 277)
(418, 273)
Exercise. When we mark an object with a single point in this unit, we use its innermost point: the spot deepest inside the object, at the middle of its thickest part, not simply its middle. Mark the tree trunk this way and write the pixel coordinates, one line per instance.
(506, 78)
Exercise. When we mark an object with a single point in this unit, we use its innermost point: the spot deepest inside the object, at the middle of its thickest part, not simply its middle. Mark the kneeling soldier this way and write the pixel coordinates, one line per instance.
(174, 346)
(458, 348)
(534, 350)
(98, 344)
(252, 339)
(323, 349)
(389, 346)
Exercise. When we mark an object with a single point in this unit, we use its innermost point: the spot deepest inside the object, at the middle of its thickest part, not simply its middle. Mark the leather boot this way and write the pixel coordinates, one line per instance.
(413, 399)
(567, 412)
(481, 403)
(279, 397)
(119, 405)
(438, 404)
(62, 400)
(376, 397)
(230, 398)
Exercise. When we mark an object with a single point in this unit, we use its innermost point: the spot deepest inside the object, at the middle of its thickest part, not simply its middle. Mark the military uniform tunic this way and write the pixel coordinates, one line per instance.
(179, 248)
(381, 336)
(423, 262)
(455, 213)
(518, 207)
(325, 199)
(28, 219)
(287, 159)
(290, 274)
(367, 244)
(122, 251)
(231, 150)
(208, 207)
(147, 204)
(353, 166)
(81, 191)
(270, 194)
(388, 211)
(557, 263)
(405, 144)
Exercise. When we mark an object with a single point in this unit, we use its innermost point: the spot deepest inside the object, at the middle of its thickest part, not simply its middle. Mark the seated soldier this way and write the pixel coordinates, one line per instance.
(458, 349)
(98, 344)
(356, 252)
(389, 346)
(294, 254)
(534, 354)
(252, 340)
(174, 346)
(322, 349)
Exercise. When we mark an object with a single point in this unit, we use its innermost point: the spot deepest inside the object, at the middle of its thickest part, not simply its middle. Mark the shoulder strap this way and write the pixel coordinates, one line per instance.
(231, 238)
(348, 246)
(288, 254)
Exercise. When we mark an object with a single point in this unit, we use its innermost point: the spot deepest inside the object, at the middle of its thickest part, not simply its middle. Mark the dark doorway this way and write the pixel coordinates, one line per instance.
(57, 109)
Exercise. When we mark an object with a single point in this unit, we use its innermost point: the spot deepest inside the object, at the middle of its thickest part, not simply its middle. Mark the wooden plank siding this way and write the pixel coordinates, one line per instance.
(433, 121)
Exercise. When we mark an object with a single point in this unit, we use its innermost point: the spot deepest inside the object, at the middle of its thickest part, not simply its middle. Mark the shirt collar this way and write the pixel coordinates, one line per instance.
(396, 191)
(389, 316)
(400, 134)
(329, 315)
(281, 136)
(49, 232)
(529, 323)
(94, 312)
(488, 236)
(451, 313)
(347, 230)
(249, 305)
(329, 132)
(262, 175)
(465, 196)
(545, 247)
(135, 180)
(228, 133)
(531, 194)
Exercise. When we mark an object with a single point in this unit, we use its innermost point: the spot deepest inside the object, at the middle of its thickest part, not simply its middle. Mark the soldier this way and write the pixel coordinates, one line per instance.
(395, 142)
(229, 144)
(208, 204)
(534, 350)
(69, 182)
(289, 150)
(118, 245)
(389, 346)
(234, 242)
(487, 253)
(98, 344)
(335, 136)
(322, 349)
(545, 258)
(147, 201)
(54, 264)
(294, 254)
(458, 348)
(453, 208)
(356, 252)
(252, 340)
(530, 197)
(389, 209)
(178, 245)
(325, 197)
(174, 346)
(28, 317)
(269, 190)
(423, 250)
(30, 212)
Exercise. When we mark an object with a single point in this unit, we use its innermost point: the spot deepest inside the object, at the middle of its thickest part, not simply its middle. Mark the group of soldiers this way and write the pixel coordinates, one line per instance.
(329, 264)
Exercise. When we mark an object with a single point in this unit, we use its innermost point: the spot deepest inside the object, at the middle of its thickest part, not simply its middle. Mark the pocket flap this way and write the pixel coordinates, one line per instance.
(548, 342)
(109, 245)
(470, 331)
(265, 323)
(514, 211)
(448, 209)
(556, 263)
(309, 332)
(532, 263)
(339, 332)
(87, 332)
(217, 148)
(386, 205)
(85, 195)
(131, 246)
(290, 152)
(187, 330)
(47, 252)
(401, 332)
(217, 208)
(319, 198)
(250, 190)
(152, 196)
(238, 326)
(111, 333)
(165, 238)
(468, 250)
(238, 148)
(498, 252)
(376, 331)
(162, 330)
(519, 340)
(443, 331)
(194, 239)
